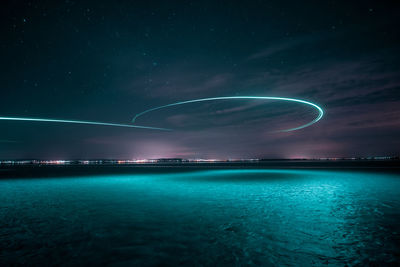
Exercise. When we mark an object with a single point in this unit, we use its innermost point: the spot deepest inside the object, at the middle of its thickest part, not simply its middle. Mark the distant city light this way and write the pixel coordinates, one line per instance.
(177, 161)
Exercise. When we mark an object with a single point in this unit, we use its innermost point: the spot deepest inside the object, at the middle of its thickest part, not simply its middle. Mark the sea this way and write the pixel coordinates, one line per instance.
(276, 213)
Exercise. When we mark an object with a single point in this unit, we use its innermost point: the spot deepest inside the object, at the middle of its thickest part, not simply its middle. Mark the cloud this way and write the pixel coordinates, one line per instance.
(8, 141)
(284, 45)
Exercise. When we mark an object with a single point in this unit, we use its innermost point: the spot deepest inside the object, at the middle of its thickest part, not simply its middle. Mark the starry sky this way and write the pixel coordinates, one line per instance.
(109, 60)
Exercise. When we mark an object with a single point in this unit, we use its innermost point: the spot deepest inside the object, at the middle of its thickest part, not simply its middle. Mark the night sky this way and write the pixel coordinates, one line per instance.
(109, 60)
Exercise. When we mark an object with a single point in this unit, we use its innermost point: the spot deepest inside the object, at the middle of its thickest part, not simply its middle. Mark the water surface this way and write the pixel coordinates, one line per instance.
(203, 217)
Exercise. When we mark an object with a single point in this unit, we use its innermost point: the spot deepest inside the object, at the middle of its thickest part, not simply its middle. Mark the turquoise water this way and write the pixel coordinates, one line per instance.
(209, 217)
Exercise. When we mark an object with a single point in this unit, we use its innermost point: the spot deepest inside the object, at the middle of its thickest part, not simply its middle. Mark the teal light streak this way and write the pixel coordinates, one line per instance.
(81, 122)
(319, 109)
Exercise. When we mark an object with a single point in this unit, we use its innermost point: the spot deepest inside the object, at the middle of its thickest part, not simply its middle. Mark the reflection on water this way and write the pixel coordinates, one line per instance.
(239, 217)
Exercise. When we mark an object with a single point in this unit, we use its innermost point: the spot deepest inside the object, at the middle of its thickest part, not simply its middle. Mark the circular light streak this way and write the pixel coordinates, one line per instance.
(81, 122)
(319, 109)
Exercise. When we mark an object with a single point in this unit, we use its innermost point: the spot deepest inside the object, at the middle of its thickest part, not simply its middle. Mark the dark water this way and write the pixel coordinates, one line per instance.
(230, 217)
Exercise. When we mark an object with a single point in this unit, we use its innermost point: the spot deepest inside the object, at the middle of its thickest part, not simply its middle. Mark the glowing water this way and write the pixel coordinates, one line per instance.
(217, 217)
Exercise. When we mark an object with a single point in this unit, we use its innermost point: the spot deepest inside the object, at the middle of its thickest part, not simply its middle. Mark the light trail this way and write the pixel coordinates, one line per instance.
(319, 109)
(81, 122)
